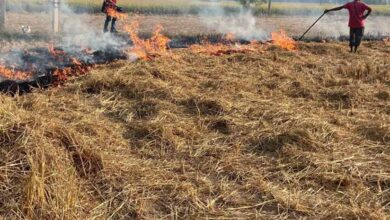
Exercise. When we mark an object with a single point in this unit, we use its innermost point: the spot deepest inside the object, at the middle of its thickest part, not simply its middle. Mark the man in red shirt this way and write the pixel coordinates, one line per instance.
(356, 11)
(107, 4)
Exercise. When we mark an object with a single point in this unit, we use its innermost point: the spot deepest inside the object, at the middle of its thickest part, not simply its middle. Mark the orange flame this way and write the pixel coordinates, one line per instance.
(115, 14)
(149, 48)
(78, 68)
(62, 75)
(53, 51)
(56, 53)
(282, 40)
(230, 37)
(15, 75)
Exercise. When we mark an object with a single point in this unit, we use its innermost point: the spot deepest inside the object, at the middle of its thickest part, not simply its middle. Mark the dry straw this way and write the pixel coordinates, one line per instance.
(270, 135)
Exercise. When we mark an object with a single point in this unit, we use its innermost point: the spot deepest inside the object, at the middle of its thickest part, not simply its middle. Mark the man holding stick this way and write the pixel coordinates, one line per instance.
(356, 11)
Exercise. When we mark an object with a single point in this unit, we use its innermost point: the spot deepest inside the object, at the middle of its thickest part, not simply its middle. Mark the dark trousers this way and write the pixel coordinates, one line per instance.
(107, 23)
(355, 36)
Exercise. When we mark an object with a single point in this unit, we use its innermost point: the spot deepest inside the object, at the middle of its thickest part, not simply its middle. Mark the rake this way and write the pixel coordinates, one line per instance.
(311, 26)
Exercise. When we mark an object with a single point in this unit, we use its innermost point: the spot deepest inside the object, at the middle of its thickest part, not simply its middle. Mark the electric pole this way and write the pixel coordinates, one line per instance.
(269, 7)
(2, 14)
(55, 16)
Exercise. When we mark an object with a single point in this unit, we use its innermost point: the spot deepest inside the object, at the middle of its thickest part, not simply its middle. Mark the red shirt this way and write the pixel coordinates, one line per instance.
(356, 11)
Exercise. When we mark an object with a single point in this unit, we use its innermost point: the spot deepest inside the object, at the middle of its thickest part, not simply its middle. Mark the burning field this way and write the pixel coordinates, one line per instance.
(161, 128)
(23, 70)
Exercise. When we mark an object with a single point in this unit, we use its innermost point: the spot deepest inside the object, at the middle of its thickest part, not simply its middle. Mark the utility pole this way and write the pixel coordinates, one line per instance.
(2, 14)
(269, 7)
(55, 16)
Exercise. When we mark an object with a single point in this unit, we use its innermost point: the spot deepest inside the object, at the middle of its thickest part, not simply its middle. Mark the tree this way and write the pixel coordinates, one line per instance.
(248, 3)
(269, 7)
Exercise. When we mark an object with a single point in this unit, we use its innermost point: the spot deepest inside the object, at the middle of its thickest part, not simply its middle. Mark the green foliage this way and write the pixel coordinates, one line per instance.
(248, 3)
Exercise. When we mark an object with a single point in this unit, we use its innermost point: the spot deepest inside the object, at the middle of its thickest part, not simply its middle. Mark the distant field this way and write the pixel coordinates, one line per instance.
(332, 26)
(185, 7)
(299, 8)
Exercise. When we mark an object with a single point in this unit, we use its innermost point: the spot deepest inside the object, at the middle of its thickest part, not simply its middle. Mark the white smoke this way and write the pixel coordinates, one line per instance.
(76, 32)
(76, 35)
(243, 24)
(27, 6)
(336, 25)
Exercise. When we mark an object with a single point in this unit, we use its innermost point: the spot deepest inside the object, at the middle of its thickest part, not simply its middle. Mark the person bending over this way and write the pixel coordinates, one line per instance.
(356, 11)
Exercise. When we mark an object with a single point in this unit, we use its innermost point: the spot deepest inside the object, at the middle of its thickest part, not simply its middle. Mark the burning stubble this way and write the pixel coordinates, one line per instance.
(54, 65)
(146, 49)
(83, 47)
(7, 73)
(282, 40)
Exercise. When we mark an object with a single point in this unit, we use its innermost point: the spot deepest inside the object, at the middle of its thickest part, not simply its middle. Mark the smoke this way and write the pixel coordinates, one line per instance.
(27, 6)
(336, 25)
(76, 32)
(76, 37)
(243, 24)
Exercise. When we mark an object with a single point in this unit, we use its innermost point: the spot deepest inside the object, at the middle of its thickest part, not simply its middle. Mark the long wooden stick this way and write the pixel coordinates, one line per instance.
(311, 26)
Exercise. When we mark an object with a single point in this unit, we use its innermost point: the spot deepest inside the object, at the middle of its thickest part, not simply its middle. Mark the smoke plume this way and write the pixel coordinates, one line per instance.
(243, 24)
(75, 32)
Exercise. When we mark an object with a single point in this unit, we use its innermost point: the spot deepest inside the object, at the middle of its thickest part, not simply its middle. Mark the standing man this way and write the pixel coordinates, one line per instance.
(109, 4)
(356, 11)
